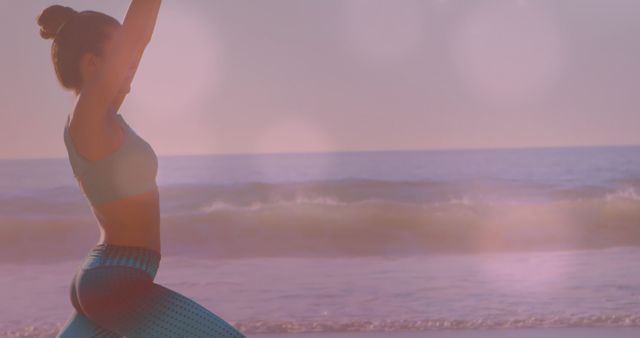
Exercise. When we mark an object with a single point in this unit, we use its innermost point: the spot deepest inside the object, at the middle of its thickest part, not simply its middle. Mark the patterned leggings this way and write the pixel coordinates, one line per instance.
(114, 295)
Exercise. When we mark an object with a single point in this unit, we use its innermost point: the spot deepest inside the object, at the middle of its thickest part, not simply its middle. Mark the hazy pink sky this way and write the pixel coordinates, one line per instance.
(280, 76)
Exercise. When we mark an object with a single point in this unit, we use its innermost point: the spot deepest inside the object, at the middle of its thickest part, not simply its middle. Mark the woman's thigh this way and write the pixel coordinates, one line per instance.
(79, 326)
(127, 301)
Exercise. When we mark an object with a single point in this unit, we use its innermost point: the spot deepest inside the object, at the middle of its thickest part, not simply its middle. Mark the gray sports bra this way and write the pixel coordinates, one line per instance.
(131, 169)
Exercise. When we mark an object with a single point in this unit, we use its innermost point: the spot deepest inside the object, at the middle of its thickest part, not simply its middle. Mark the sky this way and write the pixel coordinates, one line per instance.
(245, 77)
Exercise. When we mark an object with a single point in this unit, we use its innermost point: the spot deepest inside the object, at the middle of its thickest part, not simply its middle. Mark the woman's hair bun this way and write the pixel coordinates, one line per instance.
(52, 18)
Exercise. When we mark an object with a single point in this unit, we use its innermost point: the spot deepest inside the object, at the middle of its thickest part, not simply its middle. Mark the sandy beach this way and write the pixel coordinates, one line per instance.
(520, 333)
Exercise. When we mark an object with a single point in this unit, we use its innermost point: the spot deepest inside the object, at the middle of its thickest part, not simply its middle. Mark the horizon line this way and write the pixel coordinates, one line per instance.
(362, 151)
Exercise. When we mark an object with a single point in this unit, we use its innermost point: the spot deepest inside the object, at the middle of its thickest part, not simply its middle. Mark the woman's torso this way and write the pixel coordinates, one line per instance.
(132, 220)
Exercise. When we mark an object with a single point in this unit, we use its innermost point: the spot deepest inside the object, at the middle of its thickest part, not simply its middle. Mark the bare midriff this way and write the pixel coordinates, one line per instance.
(131, 221)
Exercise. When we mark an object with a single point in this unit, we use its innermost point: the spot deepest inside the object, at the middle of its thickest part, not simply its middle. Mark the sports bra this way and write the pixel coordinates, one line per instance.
(131, 169)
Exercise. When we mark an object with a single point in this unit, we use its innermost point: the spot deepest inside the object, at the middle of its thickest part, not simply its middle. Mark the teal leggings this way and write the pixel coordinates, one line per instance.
(114, 295)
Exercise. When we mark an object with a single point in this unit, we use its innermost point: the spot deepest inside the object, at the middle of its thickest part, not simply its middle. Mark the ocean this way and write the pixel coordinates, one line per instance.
(354, 242)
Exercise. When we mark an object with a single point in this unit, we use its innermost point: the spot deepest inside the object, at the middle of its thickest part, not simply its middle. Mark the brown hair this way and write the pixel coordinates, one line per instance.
(73, 33)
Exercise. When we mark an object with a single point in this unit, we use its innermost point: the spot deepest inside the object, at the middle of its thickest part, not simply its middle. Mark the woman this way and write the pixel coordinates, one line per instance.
(113, 291)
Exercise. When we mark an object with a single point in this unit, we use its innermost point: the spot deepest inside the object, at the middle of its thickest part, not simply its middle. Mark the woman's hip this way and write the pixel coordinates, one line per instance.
(111, 276)
(139, 258)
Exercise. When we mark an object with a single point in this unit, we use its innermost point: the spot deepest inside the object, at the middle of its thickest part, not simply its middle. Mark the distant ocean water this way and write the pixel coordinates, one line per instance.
(355, 241)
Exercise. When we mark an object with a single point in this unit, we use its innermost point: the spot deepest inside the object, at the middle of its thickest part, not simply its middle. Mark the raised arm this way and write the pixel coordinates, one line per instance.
(120, 63)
